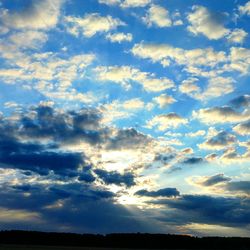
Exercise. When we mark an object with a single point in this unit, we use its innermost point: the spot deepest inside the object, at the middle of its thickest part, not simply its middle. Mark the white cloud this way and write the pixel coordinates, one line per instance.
(39, 15)
(164, 100)
(196, 134)
(124, 75)
(120, 110)
(164, 52)
(237, 36)
(243, 128)
(28, 39)
(217, 86)
(239, 60)
(165, 121)
(202, 21)
(119, 37)
(219, 141)
(158, 16)
(135, 3)
(91, 24)
(189, 87)
(220, 115)
(110, 2)
(126, 3)
(245, 9)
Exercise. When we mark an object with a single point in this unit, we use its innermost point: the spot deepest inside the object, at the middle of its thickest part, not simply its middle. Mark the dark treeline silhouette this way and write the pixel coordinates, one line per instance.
(137, 240)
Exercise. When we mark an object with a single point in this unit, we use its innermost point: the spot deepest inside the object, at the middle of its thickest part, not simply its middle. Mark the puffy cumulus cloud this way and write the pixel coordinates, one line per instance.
(47, 73)
(158, 16)
(135, 3)
(91, 24)
(126, 3)
(230, 156)
(163, 53)
(164, 100)
(165, 121)
(243, 128)
(37, 15)
(165, 192)
(109, 2)
(120, 110)
(203, 21)
(217, 86)
(196, 134)
(28, 39)
(220, 115)
(237, 36)
(120, 37)
(219, 141)
(124, 75)
(189, 87)
(245, 9)
(239, 60)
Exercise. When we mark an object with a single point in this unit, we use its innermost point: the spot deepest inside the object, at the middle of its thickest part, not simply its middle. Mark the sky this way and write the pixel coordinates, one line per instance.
(125, 116)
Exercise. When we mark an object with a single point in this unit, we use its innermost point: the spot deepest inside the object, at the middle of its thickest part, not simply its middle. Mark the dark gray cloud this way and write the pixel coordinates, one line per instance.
(241, 101)
(215, 179)
(226, 211)
(128, 138)
(193, 160)
(114, 177)
(239, 186)
(165, 192)
(219, 141)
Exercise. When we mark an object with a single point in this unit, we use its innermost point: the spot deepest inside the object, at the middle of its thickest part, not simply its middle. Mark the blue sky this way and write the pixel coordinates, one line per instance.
(125, 116)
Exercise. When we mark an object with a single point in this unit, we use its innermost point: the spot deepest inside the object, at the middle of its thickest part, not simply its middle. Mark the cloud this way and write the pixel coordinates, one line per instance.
(213, 180)
(245, 9)
(109, 2)
(237, 36)
(239, 60)
(193, 160)
(134, 3)
(120, 37)
(165, 192)
(220, 115)
(196, 134)
(189, 87)
(28, 39)
(116, 178)
(126, 3)
(163, 53)
(241, 101)
(203, 21)
(164, 100)
(217, 86)
(120, 110)
(91, 24)
(239, 186)
(158, 16)
(124, 75)
(38, 15)
(165, 121)
(207, 209)
(243, 128)
(219, 141)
